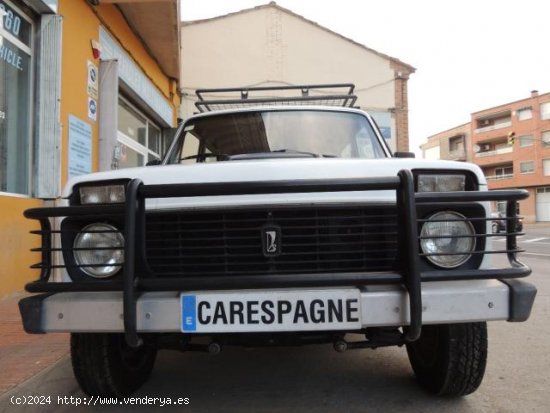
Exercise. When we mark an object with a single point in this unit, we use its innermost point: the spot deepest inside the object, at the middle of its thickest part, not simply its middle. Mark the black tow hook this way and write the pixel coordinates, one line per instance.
(342, 345)
(212, 348)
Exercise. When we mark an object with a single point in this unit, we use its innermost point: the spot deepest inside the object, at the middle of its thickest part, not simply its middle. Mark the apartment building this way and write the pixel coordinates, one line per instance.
(521, 162)
(511, 144)
(451, 144)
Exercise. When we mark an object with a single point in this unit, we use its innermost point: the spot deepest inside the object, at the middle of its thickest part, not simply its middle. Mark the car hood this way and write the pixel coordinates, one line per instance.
(275, 170)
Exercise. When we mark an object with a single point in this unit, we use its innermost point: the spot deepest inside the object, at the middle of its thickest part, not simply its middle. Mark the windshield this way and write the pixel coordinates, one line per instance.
(276, 133)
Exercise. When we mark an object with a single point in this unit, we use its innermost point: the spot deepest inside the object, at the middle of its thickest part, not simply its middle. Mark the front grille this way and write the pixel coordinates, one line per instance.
(313, 240)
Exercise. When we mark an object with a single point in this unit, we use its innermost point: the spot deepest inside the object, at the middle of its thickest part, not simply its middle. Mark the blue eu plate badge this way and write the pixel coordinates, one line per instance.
(189, 313)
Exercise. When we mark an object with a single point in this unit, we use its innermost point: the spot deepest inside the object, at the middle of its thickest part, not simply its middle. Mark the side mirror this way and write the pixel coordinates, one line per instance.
(404, 155)
(154, 162)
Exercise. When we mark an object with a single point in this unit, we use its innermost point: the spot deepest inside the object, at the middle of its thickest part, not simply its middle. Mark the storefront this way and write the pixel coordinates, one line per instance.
(16, 79)
(85, 86)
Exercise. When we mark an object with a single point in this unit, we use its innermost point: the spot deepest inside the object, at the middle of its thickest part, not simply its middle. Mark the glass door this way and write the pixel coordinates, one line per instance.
(139, 139)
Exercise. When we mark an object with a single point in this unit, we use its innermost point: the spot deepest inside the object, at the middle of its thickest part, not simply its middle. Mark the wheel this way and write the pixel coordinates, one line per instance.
(104, 365)
(450, 359)
(494, 226)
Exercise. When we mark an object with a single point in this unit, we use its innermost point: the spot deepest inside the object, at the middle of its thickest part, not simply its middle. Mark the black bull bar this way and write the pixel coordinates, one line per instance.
(409, 274)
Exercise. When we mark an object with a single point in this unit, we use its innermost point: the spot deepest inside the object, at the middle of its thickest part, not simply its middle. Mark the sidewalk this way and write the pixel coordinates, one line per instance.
(24, 355)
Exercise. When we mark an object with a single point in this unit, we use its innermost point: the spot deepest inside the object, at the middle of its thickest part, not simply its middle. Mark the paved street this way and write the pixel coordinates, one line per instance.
(536, 241)
(316, 378)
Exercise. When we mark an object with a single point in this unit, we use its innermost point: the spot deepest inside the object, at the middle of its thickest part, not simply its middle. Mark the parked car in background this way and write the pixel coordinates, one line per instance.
(499, 223)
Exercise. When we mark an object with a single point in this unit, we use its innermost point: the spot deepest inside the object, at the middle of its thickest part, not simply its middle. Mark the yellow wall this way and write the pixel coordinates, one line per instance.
(81, 24)
(15, 244)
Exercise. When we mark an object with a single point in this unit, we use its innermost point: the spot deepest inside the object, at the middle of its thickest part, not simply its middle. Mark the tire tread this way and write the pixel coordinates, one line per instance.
(98, 368)
(460, 359)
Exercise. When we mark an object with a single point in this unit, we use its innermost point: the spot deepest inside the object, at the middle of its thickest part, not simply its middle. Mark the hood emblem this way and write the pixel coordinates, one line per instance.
(271, 240)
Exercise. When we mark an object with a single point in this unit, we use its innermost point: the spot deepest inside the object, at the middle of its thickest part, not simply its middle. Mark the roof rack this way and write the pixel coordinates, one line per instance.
(338, 94)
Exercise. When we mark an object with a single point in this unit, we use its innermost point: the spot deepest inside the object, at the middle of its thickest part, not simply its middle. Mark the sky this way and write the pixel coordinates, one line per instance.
(469, 55)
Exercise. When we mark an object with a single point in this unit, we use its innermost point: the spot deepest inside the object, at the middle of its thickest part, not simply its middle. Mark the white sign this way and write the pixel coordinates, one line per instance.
(92, 109)
(92, 80)
(80, 147)
(276, 310)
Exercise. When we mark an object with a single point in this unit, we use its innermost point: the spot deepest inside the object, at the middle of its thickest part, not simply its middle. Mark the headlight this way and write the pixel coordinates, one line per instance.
(108, 194)
(441, 183)
(449, 237)
(101, 246)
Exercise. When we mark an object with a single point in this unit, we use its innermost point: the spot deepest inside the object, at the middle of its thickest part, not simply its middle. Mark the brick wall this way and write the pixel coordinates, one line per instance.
(401, 111)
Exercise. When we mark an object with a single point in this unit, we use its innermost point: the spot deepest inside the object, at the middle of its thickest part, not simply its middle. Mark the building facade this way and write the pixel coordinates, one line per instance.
(451, 144)
(511, 144)
(86, 85)
(271, 45)
(520, 162)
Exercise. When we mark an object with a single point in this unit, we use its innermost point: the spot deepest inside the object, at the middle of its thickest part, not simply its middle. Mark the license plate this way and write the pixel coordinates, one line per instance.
(276, 310)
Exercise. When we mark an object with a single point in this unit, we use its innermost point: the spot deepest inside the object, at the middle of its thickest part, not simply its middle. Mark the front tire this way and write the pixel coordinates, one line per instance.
(450, 359)
(104, 365)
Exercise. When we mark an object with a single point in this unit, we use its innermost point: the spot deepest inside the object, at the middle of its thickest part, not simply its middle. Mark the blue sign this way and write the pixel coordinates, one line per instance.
(189, 316)
(80, 147)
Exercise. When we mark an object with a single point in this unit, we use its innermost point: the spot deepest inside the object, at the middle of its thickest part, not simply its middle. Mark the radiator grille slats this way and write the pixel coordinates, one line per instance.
(329, 239)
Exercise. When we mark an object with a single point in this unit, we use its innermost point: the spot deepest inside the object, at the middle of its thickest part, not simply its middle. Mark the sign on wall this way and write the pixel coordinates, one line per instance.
(92, 80)
(384, 122)
(92, 109)
(80, 147)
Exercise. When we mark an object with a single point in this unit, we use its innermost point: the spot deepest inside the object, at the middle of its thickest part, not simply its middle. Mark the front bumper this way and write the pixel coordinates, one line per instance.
(381, 305)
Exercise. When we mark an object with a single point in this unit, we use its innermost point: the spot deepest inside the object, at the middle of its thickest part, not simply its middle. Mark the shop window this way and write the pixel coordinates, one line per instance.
(527, 167)
(16, 56)
(139, 139)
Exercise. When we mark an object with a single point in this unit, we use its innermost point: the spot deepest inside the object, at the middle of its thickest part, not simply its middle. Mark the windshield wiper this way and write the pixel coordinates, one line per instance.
(279, 153)
(202, 157)
(313, 155)
(293, 151)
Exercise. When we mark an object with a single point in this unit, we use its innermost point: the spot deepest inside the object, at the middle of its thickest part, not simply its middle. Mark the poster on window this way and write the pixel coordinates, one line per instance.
(80, 147)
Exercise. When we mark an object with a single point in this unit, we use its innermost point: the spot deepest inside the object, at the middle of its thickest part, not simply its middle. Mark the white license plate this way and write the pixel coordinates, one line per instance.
(275, 310)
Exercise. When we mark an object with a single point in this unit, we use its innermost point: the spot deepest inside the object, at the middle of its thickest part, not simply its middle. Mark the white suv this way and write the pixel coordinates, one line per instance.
(278, 224)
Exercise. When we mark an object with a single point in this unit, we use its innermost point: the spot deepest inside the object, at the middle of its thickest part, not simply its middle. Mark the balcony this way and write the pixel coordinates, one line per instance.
(494, 152)
(489, 128)
(499, 177)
